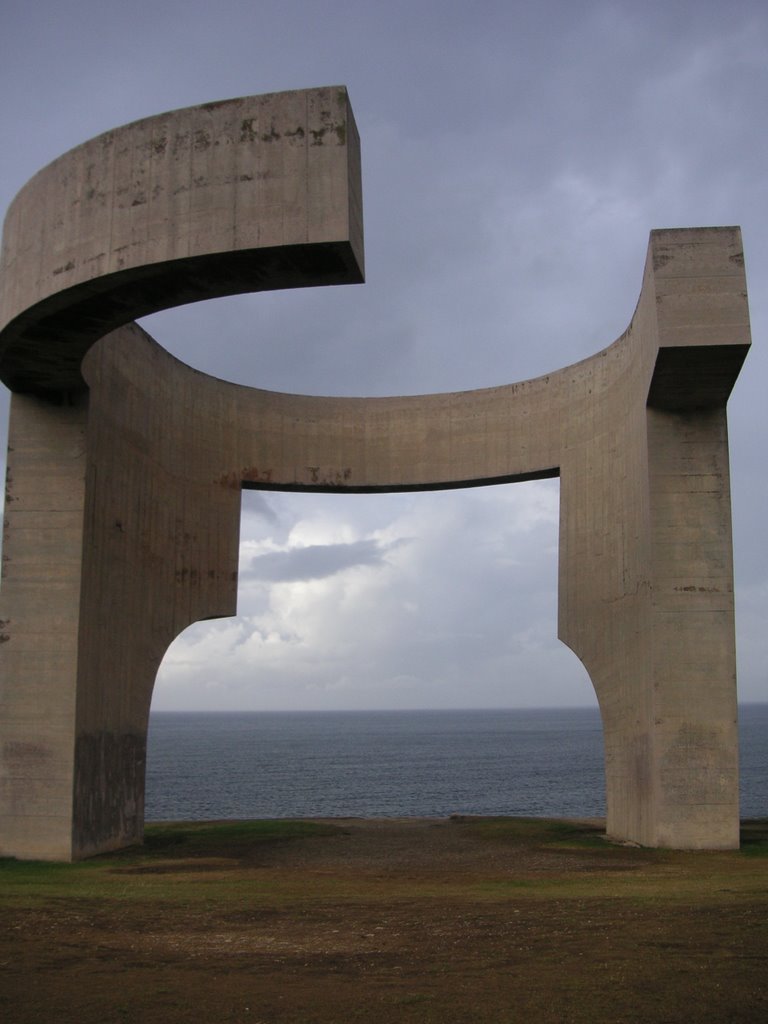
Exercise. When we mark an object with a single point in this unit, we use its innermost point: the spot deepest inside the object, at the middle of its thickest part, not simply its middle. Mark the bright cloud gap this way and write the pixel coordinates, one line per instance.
(444, 599)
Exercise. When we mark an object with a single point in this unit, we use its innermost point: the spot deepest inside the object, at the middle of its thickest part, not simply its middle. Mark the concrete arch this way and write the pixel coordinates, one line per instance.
(125, 470)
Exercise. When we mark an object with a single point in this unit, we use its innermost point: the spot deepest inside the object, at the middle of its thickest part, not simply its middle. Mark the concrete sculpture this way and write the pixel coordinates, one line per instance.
(125, 467)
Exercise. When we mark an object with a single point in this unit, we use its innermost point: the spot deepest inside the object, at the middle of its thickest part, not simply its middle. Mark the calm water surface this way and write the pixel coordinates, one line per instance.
(393, 763)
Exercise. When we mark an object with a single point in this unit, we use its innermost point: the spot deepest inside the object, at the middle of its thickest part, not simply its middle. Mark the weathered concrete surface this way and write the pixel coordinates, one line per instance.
(248, 194)
(39, 622)
(637, 434)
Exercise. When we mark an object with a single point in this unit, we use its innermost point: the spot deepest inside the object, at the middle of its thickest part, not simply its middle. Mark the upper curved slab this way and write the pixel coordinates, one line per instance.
(249, 194)
(687, 339)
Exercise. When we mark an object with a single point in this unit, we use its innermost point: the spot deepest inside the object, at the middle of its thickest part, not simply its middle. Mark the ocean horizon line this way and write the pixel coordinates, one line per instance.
(380, 710)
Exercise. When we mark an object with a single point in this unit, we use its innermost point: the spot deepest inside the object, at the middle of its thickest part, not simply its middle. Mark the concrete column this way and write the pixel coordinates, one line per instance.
(693, 706)
(40, 613)
(160, 551)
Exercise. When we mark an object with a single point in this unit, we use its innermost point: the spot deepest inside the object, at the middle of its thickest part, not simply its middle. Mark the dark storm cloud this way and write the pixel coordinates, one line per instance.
(260, 508)
(315, 562)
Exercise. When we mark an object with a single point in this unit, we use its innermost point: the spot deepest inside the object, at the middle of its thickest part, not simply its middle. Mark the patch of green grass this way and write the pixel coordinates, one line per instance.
(195, 864)
(41, 872)
(754, 837)
(225, 838)
(148, 870)
(545, 831)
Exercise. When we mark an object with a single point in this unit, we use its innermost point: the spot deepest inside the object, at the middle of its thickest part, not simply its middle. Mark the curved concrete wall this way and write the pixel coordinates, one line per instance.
(248, 194)
(123, 512)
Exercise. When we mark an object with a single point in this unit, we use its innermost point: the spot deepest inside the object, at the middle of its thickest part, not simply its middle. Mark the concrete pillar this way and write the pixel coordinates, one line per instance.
(40, 622)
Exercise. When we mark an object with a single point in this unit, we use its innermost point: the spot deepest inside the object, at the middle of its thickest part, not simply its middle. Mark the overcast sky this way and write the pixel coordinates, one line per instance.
(515, 157)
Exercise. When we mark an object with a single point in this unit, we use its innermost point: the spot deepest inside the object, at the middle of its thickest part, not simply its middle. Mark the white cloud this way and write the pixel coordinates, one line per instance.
(427, 594)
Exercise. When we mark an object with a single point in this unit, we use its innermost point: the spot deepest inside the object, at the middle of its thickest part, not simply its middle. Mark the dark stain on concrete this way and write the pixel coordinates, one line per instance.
(272, 135)
(247, 132)
(201, 140)
(70, 265)
(108, 791)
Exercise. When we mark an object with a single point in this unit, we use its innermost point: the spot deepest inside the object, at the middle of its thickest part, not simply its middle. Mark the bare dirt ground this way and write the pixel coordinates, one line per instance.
(468, 920)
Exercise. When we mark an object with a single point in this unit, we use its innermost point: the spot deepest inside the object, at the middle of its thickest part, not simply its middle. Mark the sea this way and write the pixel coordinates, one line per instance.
(544, 762)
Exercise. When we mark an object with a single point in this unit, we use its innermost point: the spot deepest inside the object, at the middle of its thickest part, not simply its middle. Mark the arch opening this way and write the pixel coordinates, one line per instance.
(378, 636)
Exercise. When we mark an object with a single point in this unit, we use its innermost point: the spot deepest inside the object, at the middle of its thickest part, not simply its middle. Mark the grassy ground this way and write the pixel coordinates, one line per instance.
(467, 920)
